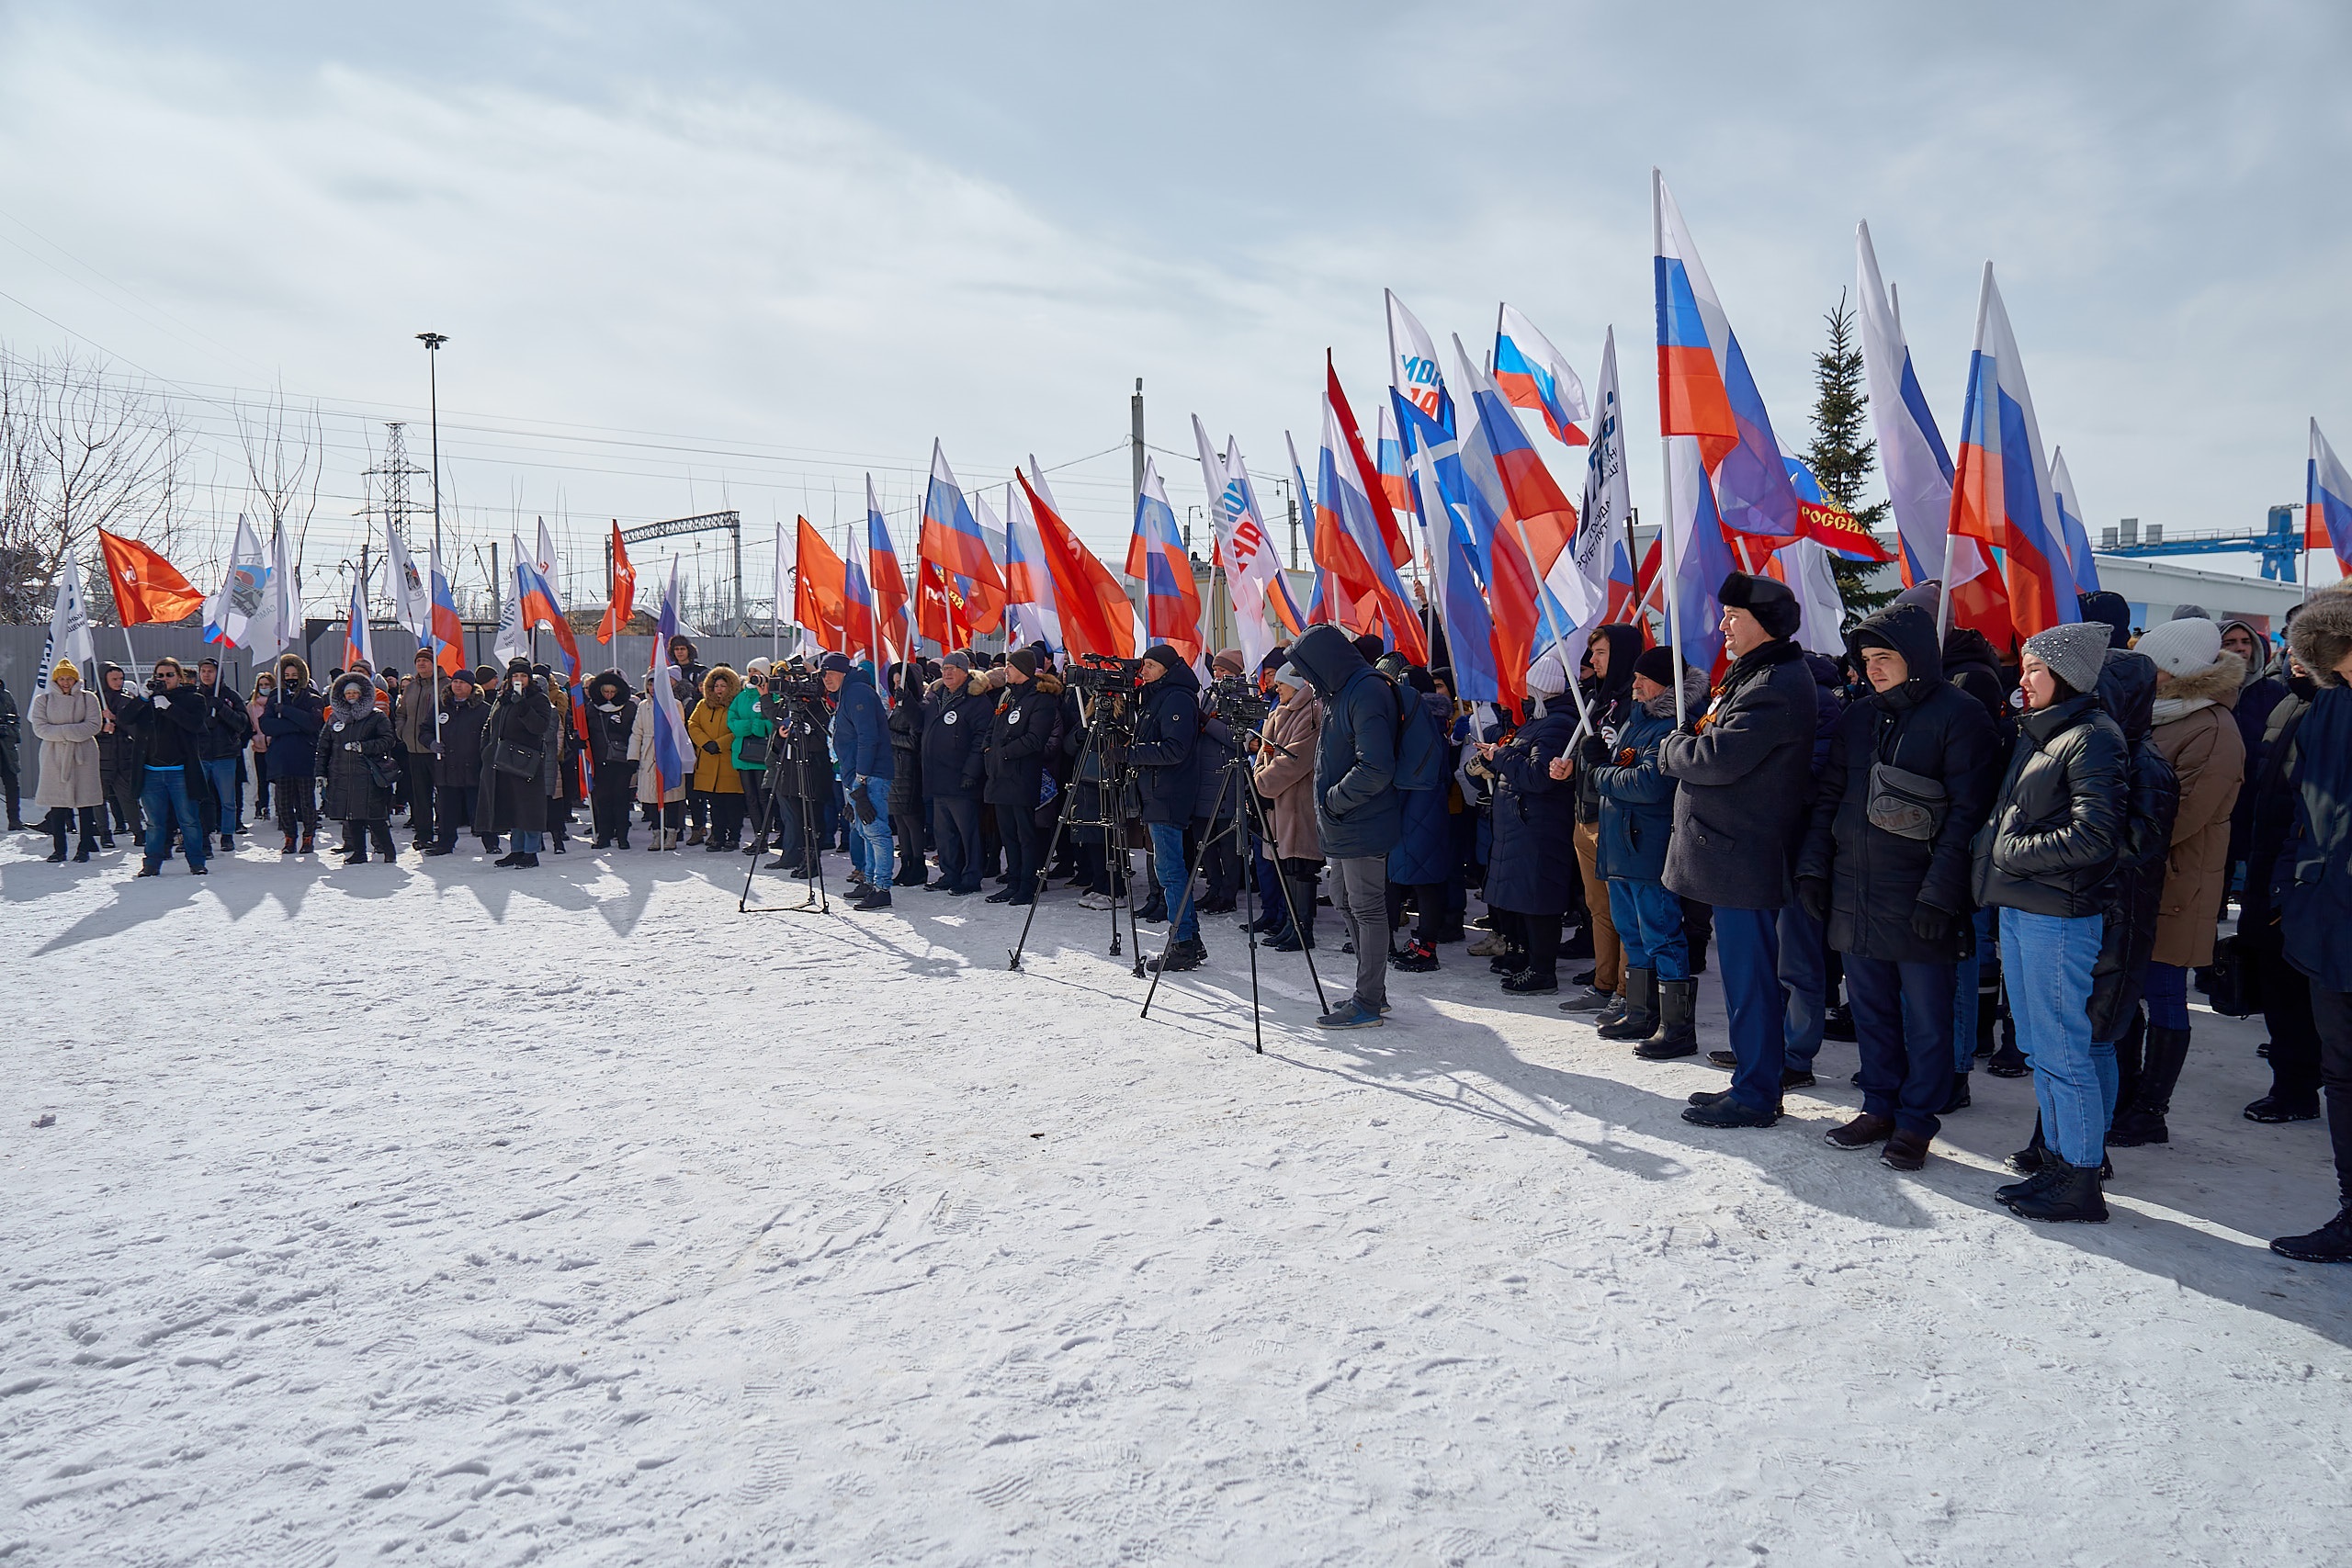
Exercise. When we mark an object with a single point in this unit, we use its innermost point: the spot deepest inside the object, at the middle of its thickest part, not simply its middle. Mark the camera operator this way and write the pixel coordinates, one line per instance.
(1165, 755)
(862, 745)
(1020, 730)
(1220, 802)
(1358, 813)
(956, 717)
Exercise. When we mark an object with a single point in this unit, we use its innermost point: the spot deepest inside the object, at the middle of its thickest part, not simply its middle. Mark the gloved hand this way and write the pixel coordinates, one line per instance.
(711, 747)
(1930, 923)
(1813, 897)
(159, 700)
(1594, 752)
(351, 745)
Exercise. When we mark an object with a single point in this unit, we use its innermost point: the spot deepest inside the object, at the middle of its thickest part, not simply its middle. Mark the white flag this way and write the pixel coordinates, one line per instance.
(412, 594)
(285, 597)
(68, 625)
(545, 560)
(243, 593)
(512, 641)
(1601, 543)
(1251, 568)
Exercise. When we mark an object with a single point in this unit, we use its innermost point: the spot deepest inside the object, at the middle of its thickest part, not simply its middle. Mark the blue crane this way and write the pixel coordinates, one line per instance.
(2280, 543)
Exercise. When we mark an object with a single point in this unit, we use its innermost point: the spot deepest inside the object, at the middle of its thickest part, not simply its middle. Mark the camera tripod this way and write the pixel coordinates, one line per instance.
(1255, 809)
(1106, 742)
(790, 739)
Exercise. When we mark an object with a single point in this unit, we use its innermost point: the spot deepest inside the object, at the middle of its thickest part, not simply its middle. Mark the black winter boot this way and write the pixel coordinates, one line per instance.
(1639, 1019)
(2144, 1122)
(2070, 1196)
(1677, 1013)
(2332, 1243)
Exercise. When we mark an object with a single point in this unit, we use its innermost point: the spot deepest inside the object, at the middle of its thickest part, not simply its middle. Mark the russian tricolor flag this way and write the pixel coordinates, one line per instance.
(1705, 390)
(951, 536)
(1158, 560)
(2327, 503)
(540, 606)
(2001, 494)
(1352, 525)
(1911, 456)
(886, 584)
(446, 635)
(671, 748)
(1534, 374)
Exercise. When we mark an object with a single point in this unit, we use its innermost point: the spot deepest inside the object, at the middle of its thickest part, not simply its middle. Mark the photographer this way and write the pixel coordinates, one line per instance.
(1219, 804)
(906, 776)
(861, 750)
(171, 723)
(1165, 756)
(953, 762)
(1020, 730)
(1357, 813)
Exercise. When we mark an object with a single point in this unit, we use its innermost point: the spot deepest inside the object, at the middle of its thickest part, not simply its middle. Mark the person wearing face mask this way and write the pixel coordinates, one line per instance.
(2045, 859)
(264, 688)
(123, 767)
(292, 719)
(357, 759)
(513, 795)
(1744, 772)
(171, 725)
(1884, 871)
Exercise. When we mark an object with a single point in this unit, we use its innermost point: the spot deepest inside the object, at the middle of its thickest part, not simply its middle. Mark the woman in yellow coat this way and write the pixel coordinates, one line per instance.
(715, 779)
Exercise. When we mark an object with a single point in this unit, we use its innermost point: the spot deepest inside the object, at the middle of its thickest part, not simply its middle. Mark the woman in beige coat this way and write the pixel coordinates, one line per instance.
(67, 721)
(1286, 778)
(2196, 731)
(668, 803)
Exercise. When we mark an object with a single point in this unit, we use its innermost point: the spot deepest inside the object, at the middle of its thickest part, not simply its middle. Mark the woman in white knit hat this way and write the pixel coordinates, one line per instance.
(2197, 682)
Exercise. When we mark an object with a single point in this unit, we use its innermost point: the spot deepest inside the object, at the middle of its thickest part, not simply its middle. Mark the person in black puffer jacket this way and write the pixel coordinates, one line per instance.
(358, 741)
(2044, 858)
(612, 719)
(953, 764)
(1888, 881)
(1745, 771)
(1166, 758)
(906, 772)
(1020, 729)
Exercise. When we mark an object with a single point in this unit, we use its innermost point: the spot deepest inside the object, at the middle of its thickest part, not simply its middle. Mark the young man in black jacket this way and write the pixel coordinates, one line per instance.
(457, 772)
(171, 720)
(1746, 769)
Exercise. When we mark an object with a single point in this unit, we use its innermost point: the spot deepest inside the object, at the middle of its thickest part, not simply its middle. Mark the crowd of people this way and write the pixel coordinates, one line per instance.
(1946, 858)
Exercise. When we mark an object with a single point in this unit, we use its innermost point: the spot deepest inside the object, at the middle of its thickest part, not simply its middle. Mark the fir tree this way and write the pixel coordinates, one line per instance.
(1842, 454)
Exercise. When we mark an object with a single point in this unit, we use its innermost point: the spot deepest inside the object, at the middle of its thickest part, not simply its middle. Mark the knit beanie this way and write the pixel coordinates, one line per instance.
(2182, 647)
(2075, 652)
(961, 660)
(1656, 664)
(1288, 675)
(1166, 657)
(1023, 660)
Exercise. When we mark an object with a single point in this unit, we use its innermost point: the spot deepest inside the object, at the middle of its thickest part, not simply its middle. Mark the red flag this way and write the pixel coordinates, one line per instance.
(1097, 616)
(146, 586)
(820, 588)
(623, 604)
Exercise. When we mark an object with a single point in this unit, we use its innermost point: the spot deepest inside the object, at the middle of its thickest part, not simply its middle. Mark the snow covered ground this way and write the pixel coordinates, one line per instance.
(443, 1214)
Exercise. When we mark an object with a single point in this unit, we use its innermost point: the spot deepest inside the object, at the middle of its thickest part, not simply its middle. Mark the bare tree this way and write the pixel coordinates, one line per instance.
(285, 455)
(84, 450)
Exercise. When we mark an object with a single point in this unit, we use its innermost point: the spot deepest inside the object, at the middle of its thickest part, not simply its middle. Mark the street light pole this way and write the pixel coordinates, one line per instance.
(432, 342)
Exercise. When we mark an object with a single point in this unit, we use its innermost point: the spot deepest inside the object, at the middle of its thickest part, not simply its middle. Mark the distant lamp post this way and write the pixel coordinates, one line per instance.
(432, 342)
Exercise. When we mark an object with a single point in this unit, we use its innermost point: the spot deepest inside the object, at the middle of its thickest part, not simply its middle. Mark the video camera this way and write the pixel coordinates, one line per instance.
(1236, 700)
(1100, 672)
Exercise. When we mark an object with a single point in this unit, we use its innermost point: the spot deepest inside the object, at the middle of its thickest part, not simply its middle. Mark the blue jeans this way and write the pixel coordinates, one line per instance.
(2103, 1064)
(165, 800)
(1965, 1001)
(222, 812)
(1175, 878)
(1649, 925)
(2046, 960)
(1747, 951)
(877, 859)
(1805, 977)
(2167, 989)
(1901, 1011)
(529, 843)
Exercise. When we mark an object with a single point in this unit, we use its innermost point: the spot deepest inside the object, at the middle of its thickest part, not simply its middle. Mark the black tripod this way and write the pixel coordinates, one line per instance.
(1250, 803)
(1107, 734)
(797, 737)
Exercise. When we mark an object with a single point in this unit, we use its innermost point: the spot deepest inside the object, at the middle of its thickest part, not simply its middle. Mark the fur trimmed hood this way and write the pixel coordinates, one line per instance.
(2321, 634)
(2218, 682)
(1694, 696)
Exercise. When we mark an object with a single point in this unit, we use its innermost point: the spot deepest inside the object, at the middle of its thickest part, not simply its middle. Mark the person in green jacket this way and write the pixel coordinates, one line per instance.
(747, 716)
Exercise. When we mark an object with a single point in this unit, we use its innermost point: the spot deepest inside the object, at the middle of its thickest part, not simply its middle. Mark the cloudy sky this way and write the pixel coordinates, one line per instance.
(698, 255)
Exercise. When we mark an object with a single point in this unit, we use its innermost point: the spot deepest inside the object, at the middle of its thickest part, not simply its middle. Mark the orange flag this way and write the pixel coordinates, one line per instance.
(1096, 614)
(146, 586)
(623, 602)
(820, 588)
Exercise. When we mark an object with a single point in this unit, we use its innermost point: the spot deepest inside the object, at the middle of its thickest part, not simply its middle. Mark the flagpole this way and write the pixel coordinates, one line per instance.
(1673, 564)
